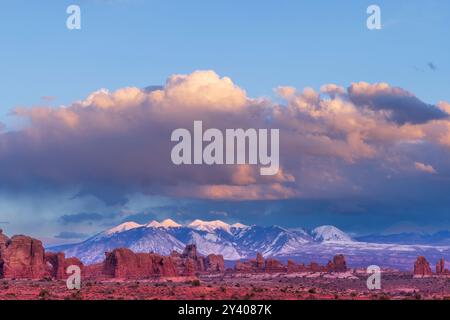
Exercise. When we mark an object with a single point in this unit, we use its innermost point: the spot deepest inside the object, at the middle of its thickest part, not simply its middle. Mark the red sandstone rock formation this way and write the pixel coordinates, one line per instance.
(194, 263)
(163, 266)
(251, 265)
(440, 267)
(3, 240)
(422, 267)
(183, 266)
(56, 264)
(315, 267)
(190, 251)
(259, 261)
(73, 262)
(293, 267)
(215, 263)
(188, 267)
(22, 257)
(274, 266)
(190, 262)
(93, 271)
(124, 263)
(244, 267)
(338, 264)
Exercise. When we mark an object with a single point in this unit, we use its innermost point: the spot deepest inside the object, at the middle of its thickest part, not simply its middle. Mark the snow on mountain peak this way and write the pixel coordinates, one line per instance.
(153, 224)
(330, 234)
(123, 227)
(209, 226)
(239, 226)
(168, 223)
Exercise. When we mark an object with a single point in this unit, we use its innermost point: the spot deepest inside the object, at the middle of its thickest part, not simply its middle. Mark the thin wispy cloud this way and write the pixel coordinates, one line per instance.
(432, 66)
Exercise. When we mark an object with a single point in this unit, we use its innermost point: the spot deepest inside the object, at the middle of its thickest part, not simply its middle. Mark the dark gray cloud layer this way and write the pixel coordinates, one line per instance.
(82, 217)
(404, 107)
(68, 235)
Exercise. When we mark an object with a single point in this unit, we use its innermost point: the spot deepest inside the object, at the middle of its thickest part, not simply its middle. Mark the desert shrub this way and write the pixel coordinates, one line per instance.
(384, 297)
(196, 283)
(76, 295)
(134, 285)
(107, 291)
(249, 295)
(46, 279)
(161, 284)
(44, 294)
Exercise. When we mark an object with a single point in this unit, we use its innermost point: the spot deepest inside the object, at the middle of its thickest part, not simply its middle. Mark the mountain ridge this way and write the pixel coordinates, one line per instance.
(238, 241)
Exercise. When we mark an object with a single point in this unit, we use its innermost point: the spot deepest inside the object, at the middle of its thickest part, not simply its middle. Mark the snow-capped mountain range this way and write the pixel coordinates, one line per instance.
(239, 241)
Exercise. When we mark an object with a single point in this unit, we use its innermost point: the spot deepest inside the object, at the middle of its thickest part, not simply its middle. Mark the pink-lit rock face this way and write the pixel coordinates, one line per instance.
(440, 267)
(259, 261)
(3, 240)
(190, 251)
(338, 264)
(215, 263)
(422, 267)
(22, 257)
(56, 264)
(124, 263)
(272, 265)
(293, 267)
(72, 261)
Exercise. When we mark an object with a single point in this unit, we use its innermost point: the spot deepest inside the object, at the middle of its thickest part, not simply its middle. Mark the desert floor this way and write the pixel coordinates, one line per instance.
(235, 287)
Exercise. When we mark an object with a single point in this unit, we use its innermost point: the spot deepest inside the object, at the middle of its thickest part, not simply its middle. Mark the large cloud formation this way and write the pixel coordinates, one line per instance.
(334, 141)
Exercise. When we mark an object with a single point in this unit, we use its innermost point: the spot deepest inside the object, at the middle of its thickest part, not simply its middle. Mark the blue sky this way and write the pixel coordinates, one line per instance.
(260, 45)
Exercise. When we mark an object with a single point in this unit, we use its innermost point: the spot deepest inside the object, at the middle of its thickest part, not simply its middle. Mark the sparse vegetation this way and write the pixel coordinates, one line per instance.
(76, 295)
(236, 288)
(44, 294)
(196, 283)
